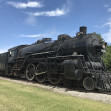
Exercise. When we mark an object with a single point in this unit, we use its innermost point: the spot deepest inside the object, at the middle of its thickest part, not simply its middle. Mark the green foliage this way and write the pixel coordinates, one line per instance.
(106, 56)
(99, 35)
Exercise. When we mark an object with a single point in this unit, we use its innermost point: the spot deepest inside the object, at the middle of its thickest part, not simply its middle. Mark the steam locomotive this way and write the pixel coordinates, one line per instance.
(69, 60)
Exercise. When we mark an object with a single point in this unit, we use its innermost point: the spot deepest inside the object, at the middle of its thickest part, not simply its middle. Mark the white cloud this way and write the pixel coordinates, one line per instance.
(20, 5)
(106, 5)
(34, 35)
(50, 33)
(100, 26)
(2, 50)
(58, 12)
(109, 9)
(31, 20)
(107, 35)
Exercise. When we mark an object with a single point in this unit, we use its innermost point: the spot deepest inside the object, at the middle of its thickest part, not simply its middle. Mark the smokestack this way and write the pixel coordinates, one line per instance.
(83, 29)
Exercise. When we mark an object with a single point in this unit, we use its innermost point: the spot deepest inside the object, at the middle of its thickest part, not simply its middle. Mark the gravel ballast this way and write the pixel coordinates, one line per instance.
(106, 98)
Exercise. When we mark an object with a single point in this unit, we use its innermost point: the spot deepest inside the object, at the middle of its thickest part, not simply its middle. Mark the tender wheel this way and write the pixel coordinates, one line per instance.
(89, 84)
(54, 78)
(40, 73)
(30, 72)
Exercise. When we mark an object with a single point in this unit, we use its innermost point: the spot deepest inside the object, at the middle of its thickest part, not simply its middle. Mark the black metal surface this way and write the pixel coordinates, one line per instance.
(88, 45)
(71, 70)
(83, 29)
(3, 61)
(65, 60)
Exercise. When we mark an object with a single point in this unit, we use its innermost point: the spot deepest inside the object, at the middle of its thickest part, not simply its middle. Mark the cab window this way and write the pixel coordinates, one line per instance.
(11, 53)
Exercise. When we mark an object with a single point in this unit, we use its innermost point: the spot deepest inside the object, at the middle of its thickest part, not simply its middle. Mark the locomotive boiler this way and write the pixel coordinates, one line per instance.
(69, 60)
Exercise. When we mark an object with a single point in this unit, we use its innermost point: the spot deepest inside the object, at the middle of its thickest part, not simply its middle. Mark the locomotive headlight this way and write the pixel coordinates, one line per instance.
(104, 46)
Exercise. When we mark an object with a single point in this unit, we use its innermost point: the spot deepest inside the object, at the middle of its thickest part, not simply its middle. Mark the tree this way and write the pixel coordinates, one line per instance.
(106, 56)
(99, 35)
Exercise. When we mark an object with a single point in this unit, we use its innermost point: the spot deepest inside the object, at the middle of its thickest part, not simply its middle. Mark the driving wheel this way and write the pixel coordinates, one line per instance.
(30, 72)
(89, 83)
(41, 73)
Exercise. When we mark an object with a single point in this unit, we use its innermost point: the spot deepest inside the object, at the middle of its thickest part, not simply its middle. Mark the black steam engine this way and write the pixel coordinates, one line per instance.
(70, 60)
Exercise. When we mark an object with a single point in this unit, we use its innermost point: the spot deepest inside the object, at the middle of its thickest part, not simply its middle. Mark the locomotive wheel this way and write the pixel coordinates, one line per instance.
(30, 72)
(89, 84)
(54, 78)
(40, 77)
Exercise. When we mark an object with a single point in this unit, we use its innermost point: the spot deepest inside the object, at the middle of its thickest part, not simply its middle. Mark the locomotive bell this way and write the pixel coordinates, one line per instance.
(83, 29)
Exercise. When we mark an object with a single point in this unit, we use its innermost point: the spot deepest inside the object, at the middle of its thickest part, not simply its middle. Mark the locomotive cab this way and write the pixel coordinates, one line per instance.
(13, 53)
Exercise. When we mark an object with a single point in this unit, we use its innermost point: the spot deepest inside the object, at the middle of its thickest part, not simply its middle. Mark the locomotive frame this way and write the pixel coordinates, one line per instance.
(66, 60)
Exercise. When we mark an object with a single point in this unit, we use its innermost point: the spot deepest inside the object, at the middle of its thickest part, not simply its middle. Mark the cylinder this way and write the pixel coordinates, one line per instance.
(83, 29)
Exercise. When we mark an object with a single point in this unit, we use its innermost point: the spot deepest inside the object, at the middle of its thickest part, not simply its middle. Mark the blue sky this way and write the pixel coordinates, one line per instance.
(25, 21)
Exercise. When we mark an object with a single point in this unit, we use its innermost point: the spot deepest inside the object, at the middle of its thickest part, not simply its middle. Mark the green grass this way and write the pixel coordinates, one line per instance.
(19, 97)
